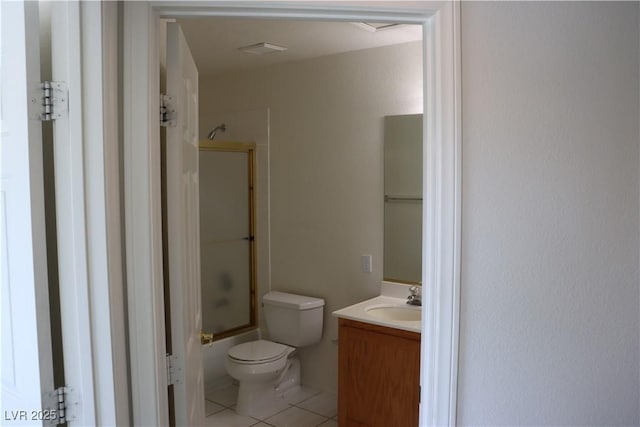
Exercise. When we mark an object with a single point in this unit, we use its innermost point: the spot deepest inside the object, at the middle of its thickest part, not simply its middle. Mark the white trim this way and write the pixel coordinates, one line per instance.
(71, 220)
(114, 224)
(143, 226)
(441, 238)
(441, 219)
(103, 227)
(86, 173)
(457, 232)
(96, 237)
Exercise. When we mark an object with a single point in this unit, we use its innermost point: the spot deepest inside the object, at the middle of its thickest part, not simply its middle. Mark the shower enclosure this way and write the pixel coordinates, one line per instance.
(227, 238)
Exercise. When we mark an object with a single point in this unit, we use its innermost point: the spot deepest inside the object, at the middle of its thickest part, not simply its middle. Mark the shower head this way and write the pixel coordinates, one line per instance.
(212, 134)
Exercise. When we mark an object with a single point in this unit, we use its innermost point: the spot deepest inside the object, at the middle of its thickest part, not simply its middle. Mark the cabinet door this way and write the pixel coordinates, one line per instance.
(379, 378)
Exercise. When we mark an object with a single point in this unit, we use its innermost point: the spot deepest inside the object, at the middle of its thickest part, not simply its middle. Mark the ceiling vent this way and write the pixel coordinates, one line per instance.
(262, 48)
(372, 27)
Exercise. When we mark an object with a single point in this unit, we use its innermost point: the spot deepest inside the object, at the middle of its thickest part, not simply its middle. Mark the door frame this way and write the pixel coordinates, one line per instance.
(441, 186)
(87, 213)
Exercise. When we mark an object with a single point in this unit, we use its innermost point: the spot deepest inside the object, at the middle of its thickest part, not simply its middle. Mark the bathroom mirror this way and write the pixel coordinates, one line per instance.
(227, 243)
(402, 259)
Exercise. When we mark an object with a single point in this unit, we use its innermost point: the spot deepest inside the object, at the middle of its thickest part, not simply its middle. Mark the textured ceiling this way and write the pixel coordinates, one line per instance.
(214, 42)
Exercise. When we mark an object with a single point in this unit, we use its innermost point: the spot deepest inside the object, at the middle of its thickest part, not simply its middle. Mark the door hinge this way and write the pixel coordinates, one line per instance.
(50, 101)
(174, 369)
(167, 111)
(63, 406)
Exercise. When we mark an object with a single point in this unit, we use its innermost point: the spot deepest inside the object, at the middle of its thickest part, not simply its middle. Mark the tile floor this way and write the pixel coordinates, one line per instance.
(307, 408)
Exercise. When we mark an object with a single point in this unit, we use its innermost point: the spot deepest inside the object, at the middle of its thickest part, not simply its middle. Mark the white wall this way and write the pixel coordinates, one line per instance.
(549, 295)
(326, 134)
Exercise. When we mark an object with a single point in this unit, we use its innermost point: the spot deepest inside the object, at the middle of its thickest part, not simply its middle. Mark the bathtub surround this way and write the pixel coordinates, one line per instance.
(326, 132)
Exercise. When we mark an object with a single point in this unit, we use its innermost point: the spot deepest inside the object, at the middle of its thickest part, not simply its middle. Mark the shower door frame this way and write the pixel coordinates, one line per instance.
(250, 149)
(441, 185)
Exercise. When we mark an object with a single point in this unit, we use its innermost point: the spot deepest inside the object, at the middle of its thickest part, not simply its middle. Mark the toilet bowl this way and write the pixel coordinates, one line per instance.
(263, 370)
(267, 371)
(257, 361)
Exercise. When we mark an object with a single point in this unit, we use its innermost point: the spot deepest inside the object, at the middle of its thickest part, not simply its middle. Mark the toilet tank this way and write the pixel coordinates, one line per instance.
(295, 320)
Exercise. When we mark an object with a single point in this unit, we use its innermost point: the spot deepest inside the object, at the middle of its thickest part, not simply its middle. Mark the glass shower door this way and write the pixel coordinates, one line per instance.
(226, 240)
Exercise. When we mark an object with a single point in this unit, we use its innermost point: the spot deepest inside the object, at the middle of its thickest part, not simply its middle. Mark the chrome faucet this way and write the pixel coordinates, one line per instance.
(416, 296)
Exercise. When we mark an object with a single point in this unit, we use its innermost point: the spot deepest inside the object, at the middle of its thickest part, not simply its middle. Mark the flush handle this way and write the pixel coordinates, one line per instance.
(205, 338)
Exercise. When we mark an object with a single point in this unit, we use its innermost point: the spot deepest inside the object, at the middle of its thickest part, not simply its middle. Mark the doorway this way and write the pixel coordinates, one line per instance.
(441, 189)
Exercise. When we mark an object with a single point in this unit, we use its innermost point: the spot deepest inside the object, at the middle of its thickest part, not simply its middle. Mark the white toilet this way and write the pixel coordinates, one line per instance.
(267, 370)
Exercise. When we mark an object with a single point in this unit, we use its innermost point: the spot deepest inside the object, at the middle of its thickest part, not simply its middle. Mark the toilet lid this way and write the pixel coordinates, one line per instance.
(258, 351)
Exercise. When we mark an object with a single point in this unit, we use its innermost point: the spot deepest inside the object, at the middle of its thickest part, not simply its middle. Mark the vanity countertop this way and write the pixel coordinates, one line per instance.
(362, 312)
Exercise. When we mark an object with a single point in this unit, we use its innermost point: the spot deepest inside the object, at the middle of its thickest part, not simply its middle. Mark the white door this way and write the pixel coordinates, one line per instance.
(183, 236)
(27, 373)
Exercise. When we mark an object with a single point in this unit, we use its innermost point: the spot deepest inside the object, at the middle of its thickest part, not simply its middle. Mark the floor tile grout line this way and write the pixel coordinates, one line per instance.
(316, 393)
(217, 411)
(304, 410)
(324, 421)
(317, 413)
(314, 413)
(279, 412)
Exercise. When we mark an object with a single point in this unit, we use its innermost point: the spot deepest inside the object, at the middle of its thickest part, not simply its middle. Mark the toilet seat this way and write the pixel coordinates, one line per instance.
(257, 352)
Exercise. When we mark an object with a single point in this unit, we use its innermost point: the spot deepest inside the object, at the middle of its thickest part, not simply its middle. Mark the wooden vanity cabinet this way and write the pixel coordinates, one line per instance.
(378, 375)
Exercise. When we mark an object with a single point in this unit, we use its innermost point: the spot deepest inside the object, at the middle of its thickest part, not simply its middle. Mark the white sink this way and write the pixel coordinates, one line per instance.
(384, 310)
(399, 313)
